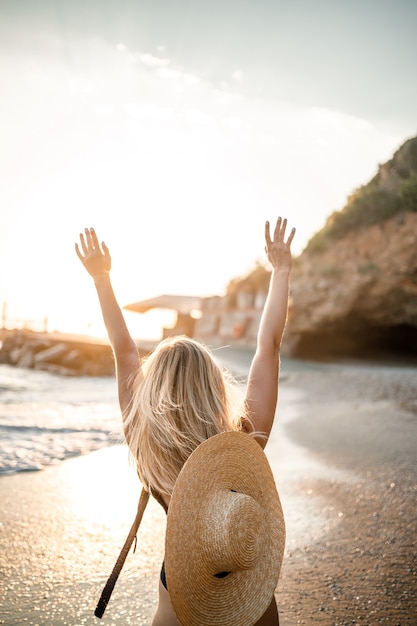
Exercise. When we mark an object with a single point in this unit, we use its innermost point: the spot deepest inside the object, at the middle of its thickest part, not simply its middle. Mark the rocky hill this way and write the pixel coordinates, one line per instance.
(354, 288)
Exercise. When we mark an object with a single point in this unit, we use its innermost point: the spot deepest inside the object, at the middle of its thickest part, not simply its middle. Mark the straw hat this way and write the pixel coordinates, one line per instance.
(225, 534)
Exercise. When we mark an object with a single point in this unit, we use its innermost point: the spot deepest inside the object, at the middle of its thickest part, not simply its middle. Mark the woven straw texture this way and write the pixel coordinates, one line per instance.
(225, 515)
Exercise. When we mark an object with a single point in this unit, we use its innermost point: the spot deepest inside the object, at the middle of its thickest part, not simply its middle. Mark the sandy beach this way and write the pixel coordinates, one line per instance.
(343, 452)
(361, 424)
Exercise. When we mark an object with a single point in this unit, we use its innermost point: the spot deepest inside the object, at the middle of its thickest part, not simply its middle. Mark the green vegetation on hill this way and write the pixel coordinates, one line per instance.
(392, 191)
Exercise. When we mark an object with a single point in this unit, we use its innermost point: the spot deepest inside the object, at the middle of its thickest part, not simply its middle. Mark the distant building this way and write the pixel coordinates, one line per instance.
(186, 307)
(233, 318)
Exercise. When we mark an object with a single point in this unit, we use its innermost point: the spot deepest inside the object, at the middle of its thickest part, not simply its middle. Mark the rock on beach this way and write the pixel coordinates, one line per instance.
(68, 355)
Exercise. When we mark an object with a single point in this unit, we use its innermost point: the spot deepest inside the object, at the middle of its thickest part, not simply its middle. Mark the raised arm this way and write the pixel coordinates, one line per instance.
(97, 261)
(262, 390)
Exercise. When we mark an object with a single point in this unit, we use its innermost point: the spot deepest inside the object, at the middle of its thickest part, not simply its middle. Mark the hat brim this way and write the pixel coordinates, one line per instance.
(233, 461)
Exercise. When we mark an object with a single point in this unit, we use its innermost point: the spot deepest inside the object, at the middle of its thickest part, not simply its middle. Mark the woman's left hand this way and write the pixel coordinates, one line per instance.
(278, 250)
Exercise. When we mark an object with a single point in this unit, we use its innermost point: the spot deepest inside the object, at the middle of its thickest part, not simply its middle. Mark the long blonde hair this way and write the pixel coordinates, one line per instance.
(182, 397)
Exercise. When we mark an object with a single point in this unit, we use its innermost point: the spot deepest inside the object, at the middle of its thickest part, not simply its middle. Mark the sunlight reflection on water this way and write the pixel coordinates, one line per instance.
(62, 536)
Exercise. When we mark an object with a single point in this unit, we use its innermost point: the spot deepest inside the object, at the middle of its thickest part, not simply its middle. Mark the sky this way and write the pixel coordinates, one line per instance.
(176, 128)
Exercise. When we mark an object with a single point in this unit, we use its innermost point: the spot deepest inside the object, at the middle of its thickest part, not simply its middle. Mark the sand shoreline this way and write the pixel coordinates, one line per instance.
(343, 453)
(363, 568)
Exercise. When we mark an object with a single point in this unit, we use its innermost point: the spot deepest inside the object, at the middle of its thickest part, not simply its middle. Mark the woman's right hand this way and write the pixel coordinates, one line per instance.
(95, 258)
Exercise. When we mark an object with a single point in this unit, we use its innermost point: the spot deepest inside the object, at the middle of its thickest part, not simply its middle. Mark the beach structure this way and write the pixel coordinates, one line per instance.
(233, 318)
(186, 307)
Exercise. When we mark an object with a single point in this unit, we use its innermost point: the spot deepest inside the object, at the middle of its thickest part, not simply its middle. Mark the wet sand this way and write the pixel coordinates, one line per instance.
(360, 424)
(343, 451)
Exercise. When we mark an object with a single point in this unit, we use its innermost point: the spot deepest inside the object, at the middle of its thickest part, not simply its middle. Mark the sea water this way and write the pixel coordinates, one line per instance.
(46, 418)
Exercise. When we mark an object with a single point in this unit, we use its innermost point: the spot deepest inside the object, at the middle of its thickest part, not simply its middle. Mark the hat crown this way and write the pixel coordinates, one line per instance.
(224, 515)
(233, 532)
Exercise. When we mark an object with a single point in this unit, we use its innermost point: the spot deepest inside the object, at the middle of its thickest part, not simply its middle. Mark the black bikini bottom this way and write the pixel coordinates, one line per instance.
(163, 576)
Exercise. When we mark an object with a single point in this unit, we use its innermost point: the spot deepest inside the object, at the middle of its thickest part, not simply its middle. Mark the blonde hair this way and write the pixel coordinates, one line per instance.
(182, 397)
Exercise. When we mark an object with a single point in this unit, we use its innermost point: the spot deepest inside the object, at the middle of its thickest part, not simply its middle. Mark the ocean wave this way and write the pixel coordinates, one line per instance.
(12, 430)
(45, 419)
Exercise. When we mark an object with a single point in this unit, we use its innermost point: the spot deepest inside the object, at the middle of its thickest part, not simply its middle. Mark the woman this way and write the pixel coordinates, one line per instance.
(180, 396)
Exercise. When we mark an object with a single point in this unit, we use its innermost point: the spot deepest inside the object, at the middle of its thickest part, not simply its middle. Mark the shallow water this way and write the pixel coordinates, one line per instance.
(45, 419)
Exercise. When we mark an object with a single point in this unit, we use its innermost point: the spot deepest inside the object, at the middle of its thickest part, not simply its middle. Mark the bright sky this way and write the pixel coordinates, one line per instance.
(176, 128)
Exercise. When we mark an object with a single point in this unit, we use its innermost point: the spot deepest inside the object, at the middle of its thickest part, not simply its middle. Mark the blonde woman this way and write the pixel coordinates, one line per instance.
(179, 397)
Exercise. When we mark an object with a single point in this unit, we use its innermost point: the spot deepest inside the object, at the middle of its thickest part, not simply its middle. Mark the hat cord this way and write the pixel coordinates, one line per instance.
(109, 586)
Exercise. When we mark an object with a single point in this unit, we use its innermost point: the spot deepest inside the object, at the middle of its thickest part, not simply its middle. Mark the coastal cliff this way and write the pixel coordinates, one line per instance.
(354, 288)
(358, 296)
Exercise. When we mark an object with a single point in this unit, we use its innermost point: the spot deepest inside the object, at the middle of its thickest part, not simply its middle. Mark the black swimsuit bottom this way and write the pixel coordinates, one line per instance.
(163, 576)
(159, 499)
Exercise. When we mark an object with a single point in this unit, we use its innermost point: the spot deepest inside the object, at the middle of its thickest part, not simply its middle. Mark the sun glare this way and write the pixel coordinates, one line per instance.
(103, 490)
(176, 174)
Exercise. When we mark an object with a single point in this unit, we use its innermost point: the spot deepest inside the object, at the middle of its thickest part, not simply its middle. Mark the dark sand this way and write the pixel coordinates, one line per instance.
(343, 452)
(363, 567)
